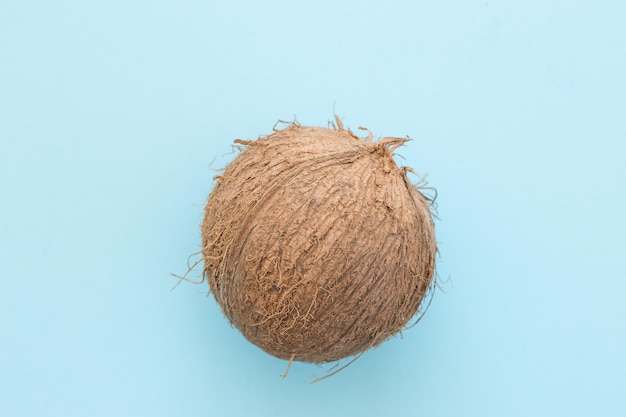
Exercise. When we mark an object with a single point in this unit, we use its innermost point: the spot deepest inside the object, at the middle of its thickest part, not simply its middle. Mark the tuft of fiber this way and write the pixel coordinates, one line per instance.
(316, 245)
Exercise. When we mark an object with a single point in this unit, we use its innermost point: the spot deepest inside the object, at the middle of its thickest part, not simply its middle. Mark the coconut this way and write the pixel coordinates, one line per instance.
(316, 245)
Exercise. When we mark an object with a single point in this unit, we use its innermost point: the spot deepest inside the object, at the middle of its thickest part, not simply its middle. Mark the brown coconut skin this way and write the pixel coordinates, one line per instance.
(316, 245)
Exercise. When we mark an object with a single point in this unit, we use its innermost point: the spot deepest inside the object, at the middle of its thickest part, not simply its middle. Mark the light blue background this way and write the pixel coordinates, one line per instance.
(112, 111)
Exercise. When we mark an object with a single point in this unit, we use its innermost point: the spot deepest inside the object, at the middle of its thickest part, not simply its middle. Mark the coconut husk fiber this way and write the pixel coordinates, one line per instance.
(316, 246)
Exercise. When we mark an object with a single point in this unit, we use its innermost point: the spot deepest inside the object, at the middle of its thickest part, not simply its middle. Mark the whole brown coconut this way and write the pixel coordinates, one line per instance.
(316, 245)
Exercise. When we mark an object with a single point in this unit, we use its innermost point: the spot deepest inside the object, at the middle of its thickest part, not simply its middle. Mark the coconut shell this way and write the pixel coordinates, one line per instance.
(316, 246)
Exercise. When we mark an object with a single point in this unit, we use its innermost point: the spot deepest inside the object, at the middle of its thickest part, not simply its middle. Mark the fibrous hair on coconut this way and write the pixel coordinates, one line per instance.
(316, 245)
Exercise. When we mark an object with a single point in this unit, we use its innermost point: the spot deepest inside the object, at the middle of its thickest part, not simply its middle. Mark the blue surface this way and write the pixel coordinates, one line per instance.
(112, 111)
